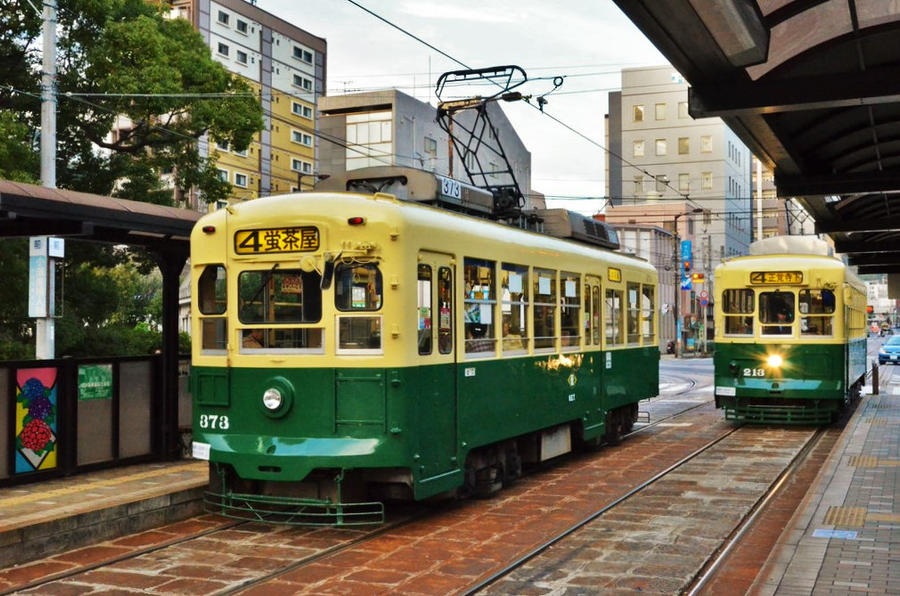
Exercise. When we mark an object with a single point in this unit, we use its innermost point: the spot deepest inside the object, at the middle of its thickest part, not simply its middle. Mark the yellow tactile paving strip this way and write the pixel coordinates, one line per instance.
(846, 516)
(93, 485)
(871, 461)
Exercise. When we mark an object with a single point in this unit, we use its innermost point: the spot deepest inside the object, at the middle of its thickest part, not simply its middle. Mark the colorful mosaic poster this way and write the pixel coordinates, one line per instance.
(36, 401)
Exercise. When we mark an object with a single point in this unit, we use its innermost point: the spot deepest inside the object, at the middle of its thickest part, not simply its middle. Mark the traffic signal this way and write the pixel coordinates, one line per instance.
(687, 266)
(697, 276)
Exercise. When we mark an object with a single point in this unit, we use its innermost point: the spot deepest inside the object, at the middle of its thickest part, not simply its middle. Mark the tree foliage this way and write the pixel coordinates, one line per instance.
(119, 62)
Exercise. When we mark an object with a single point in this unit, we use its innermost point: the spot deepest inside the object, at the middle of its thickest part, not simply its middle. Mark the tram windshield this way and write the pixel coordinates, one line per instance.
(776, 312)
(279, 296)
(816, 312)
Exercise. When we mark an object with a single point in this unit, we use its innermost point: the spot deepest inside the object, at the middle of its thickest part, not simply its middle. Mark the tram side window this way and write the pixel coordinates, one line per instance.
(514, 307)
(570, 284)
(632, 291)
(816, 312)
(544, 292)
(648, 312)
(596, 330)
(425, 326)
(479, 306)
(280, 296)
(614, 331)
(776, 312)
(445, 312)
(211, 300)
(737, 306)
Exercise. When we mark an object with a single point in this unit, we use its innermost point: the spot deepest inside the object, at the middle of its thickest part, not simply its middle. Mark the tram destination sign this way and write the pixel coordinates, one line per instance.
(274, 240)
(776, 277)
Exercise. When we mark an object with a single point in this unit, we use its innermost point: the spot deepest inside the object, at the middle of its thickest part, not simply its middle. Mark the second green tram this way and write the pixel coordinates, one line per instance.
(790, 333)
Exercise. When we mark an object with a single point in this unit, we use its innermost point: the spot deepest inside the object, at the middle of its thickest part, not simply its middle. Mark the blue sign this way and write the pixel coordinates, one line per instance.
(840, 534)
(686, 256)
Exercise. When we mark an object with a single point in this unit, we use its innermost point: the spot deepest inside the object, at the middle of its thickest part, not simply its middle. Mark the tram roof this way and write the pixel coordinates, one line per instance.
(813, 88)
(292, 207)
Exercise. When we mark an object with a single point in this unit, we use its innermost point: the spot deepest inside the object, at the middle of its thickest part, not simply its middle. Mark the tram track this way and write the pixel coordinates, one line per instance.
(275, 538)
(518, 563)
(725, 551)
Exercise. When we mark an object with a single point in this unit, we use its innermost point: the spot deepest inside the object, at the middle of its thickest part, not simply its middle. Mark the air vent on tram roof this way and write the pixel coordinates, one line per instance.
(563, 223)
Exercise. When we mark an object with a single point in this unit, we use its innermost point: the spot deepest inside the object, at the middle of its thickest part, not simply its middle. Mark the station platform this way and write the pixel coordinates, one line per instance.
(845, 536)
(41, 519)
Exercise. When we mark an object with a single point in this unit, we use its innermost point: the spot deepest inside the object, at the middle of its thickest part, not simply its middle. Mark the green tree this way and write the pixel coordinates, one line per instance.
(117, 59)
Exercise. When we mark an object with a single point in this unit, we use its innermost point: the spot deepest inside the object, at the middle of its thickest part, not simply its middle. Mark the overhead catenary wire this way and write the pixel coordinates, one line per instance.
(590, 140)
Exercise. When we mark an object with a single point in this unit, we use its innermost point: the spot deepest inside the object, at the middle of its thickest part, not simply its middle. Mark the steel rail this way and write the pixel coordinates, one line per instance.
(738, 533)
(506, 570)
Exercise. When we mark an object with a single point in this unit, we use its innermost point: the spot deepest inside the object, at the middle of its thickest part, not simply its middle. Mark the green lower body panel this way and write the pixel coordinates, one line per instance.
(811, 386)
(406, 431)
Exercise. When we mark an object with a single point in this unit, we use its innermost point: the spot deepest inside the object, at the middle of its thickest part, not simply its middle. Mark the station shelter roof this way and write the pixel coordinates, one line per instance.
(813, 88)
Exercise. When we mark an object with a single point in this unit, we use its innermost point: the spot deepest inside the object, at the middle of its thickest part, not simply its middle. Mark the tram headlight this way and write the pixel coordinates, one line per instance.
(774, 360)
(272, 399)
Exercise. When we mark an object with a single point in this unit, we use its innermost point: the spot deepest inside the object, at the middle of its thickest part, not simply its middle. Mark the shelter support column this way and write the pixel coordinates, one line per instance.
(170, 265)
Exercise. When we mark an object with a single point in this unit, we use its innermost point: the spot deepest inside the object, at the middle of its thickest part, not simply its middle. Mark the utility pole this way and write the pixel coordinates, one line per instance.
(676, 262)
(42, 268)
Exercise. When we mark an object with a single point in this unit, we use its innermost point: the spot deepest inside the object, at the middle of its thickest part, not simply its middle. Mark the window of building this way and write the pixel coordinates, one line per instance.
(223, 49)
(303, 82)
(638, 150)
(371, 133)
(661, 146)
(303, 55)
(660, 111)
(661, 182)
(299, 109)
(223, 17)
(221, 145)
(241, 57)
(240, 180)
(241, 153)
(638, 113)
(298, 165)
(480, 298)
(241, 26)
(301, 137)
(706, 144)
(544, 291)
(222, 174)
(683, 110)
(570, 316)
(638, 185)
(430, 146)
(514, 307)
(706, 180)
(684, 145)
(684, 182)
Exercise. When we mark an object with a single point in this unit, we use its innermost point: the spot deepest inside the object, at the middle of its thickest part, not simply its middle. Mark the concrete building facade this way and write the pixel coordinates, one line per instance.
(286, 66)
(391, 128)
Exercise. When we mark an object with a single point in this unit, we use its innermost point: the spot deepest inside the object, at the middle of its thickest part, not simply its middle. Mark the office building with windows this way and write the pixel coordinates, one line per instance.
(286, 66)
(391, 128)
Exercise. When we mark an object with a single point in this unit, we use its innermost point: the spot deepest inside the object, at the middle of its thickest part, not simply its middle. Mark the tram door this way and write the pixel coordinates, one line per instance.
(436, 395)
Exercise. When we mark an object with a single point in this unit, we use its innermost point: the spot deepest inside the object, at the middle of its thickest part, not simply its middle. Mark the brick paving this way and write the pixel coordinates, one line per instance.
(858, 493)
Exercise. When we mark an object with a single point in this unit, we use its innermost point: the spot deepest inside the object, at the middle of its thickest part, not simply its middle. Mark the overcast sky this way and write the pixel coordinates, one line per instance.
(586, 41)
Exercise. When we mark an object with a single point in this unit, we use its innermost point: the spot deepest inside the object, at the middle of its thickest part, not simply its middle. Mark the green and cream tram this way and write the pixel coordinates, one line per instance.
(790, 333)
(353, 348)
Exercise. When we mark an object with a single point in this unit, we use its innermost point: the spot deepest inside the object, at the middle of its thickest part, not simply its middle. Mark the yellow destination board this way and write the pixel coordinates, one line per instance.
(776, 277)
(273, 240)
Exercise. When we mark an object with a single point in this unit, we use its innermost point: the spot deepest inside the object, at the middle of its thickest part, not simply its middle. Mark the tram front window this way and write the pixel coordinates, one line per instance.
(737, 306)
(816, 312)
(279, 296)
(776, 313)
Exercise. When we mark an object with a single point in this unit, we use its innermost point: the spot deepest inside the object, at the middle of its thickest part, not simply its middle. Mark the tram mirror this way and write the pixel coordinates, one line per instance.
(327, 272)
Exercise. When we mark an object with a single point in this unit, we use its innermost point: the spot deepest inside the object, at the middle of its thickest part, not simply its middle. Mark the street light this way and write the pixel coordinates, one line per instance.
(676, 260)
